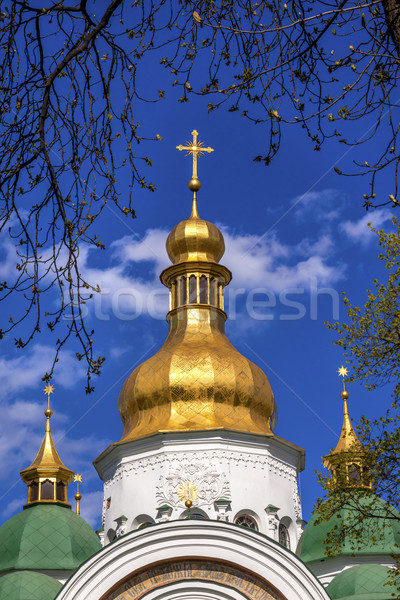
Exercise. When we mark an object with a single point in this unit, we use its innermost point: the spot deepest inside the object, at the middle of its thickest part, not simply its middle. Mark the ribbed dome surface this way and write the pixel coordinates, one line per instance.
(364, 582)
(46, 537)
(197, 380)
(28, 585)
(195, 240)
(312, 547)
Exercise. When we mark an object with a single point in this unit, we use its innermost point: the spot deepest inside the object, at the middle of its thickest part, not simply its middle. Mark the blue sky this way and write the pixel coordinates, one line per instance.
(296, 236)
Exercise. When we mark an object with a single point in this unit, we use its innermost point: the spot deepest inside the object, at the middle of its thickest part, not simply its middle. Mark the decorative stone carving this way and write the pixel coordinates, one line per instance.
(211, 483)
(164, 513)
(174, 461)
(272, 521)
(296, 502)
(222, 506)
(300, 524)
(121, 527)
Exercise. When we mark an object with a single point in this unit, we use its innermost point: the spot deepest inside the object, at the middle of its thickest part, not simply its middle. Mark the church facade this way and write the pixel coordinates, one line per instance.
(200, 495)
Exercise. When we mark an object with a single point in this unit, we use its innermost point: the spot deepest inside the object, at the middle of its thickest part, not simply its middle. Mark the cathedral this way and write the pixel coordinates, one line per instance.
(201, 498)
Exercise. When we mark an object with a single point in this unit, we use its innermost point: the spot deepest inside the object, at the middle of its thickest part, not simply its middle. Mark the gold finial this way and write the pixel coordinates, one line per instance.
(49, 389)
(78, 496)
(343, 372)
(187, 493)
(196, 149)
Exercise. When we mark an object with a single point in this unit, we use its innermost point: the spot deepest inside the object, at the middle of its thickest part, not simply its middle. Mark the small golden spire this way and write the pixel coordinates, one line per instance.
(78, 496)
(348, 437)
(47, 477)
(196, 149)
(348, 461)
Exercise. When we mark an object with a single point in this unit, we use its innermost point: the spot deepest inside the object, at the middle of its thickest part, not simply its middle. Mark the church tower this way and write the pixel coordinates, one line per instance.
(199, 416)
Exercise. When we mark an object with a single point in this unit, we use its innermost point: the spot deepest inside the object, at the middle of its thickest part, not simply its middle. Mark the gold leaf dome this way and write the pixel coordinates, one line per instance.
(195, 239)
(197, 380)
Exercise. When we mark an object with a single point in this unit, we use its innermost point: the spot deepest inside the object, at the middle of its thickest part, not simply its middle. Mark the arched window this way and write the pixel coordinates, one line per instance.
(60, 491)
(213, 292)
(203, 289)
(197, 516)
(192, 289)
(34, 492)
(174, 294)
(145, 524)
(182, 291)
(247, 521)
(354, 473)
(284, 536)
(47, 490)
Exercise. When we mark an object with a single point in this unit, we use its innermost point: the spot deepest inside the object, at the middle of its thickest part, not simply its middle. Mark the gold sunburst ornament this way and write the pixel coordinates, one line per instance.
(188, 492)
(49, 389)
(343, 372)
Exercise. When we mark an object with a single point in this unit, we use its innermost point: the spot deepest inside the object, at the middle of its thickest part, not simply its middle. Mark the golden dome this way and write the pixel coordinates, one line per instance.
(197, 380)
(195, 239)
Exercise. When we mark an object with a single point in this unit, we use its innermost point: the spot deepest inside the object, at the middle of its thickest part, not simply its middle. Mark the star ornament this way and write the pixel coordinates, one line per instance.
(49, 389)
(78, 477)
(343, 372)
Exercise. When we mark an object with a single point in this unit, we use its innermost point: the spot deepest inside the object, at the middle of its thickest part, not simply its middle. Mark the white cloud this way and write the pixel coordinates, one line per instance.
(358, 231)
(27, 370)
(91, 506)
(325, 205)
(13, 507)
(255, 262)
(276, 266)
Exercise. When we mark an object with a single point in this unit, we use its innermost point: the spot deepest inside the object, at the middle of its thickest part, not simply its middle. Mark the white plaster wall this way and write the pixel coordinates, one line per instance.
(251, 471)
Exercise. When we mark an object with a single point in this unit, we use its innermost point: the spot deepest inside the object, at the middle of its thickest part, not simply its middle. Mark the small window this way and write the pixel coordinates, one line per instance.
(60, 491)
(182, 291)
(203, 290)
(284, 536)
(175, 297)
(197, 516)
(213, 292)
(47, 491)
(146, 524)
(192, 289)
(354, 473)
(34, 492)
(108, 503)
(247, 521)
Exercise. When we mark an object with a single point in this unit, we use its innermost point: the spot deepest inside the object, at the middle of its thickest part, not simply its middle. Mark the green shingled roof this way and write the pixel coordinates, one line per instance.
(365, 582)
(46, 536)
(27, 585)
(311, 546)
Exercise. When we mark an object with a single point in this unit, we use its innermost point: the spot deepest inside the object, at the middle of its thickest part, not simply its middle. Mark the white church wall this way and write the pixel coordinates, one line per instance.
(235, 473)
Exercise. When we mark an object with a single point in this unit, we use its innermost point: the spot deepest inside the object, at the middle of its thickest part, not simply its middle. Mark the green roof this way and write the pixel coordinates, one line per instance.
(365, 582)
(311, 546)
(46, 536)
(28, 585)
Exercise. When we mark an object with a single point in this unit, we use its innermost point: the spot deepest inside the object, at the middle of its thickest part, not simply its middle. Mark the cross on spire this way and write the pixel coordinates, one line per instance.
(196, 149)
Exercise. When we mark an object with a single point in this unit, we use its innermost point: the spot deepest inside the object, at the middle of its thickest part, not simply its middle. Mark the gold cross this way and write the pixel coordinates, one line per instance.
(196, 149)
